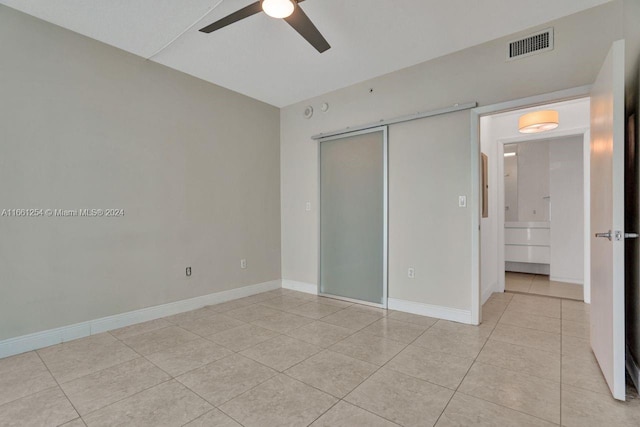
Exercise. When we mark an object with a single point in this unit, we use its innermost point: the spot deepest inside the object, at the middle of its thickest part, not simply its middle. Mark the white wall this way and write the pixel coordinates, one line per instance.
(488, 225)
(533, 181)
(478, 74)
(566, 176)
(500, 129)
(511, 187)
(84, 125)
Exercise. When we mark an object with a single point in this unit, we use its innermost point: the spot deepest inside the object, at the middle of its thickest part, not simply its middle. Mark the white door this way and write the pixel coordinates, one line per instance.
(607, 220)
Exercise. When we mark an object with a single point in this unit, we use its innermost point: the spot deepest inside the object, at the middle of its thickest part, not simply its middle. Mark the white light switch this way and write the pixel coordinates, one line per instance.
(307, 206)
(462, 201)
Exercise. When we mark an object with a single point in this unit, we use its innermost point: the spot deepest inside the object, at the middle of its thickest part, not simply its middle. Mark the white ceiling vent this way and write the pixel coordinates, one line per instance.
(539, 42)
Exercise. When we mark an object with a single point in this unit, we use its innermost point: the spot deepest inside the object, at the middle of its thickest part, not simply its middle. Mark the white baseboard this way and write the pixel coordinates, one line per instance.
(34, 341)
(446, 313)
(308, 288)
(486, 294)
(566, 280)
(633, 369)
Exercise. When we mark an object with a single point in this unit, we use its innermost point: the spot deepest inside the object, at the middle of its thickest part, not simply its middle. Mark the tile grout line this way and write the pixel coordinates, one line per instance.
(327, 349)
(189, 388)
(341, 399)
(354, 358)
(208, 412)
(532, 329)
(511, 291)
(353, 404)
(171, 377)
(472, 363)
(488, 401)
(533, 313)
(508, 408)
(273, 376)
(60, 387)
(377, 370)
(127, 397)
(295, 379)
(139, 391)
(216, 406)
(530, 292)
(35, 392)
(58, 383)
(561, 358)
(522, 412)
(328, 409)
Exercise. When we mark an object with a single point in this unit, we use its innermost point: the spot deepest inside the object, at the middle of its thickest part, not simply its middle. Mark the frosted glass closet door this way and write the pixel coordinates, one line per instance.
(353, 217)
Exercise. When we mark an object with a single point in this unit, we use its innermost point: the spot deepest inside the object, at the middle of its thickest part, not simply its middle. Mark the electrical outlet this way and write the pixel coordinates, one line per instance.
(411, 273)
(188, 271)
(243, 263)
(307, 206)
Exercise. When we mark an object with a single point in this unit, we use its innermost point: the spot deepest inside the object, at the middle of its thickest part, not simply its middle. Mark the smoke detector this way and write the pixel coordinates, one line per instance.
(308, 112)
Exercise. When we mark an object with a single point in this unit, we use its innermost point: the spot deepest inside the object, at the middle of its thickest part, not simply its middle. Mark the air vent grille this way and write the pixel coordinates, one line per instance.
(536, 43)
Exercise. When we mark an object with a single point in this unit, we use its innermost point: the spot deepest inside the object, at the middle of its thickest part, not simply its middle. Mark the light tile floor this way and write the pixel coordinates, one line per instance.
(287, 358)
(541, 285)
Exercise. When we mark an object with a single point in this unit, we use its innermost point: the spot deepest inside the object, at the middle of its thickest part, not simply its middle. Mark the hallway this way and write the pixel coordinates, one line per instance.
(537, 284)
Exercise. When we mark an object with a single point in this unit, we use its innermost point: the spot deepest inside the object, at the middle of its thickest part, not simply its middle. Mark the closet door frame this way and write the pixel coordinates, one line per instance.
(385, 231)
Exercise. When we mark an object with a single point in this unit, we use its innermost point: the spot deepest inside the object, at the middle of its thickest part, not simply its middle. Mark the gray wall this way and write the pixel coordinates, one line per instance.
(85, 125)
(477, 74)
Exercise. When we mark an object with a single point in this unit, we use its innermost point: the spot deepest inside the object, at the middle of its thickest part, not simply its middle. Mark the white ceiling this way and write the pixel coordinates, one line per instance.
(266, 59)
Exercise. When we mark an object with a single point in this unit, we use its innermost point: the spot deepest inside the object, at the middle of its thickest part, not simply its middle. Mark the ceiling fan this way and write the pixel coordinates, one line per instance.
(282, 9)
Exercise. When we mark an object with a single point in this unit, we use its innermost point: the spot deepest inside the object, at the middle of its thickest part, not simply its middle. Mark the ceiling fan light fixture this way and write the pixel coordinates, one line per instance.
(278, 8)
(538, 121)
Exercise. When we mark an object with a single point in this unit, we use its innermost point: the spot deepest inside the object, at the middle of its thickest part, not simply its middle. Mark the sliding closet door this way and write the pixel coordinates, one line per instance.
(353, 216)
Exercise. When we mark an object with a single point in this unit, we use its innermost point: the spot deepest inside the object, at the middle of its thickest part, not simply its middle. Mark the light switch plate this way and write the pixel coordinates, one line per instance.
(462, 201)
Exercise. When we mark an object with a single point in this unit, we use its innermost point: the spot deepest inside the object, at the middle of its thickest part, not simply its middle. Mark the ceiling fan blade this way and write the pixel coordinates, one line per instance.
(303, 25)
(245, 12)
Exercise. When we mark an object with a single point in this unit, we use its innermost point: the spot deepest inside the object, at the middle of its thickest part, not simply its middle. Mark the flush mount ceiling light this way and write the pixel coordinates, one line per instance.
(538, 121)
(278, 8)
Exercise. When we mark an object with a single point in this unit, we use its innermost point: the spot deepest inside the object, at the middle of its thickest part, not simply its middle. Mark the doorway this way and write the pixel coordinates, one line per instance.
(544, 210)
(607, 234)
(353, 216)
(517, 233)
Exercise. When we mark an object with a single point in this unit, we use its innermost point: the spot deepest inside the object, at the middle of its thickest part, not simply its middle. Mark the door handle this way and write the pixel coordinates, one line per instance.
(606, 235)
(617, 235)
